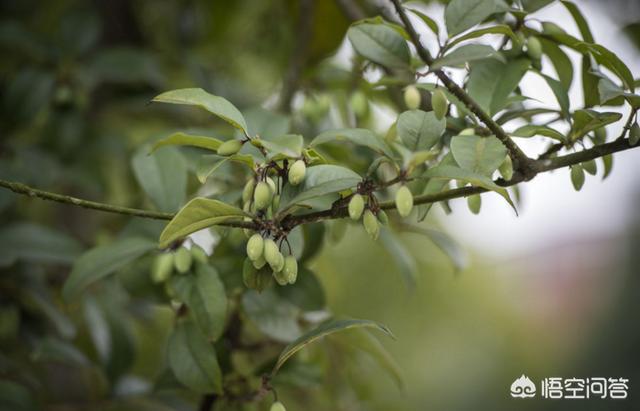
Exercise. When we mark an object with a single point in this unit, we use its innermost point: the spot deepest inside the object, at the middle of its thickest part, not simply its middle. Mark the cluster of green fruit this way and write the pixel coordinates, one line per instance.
(179, 260)
(264, 257)
(372, 216)
(439, 101)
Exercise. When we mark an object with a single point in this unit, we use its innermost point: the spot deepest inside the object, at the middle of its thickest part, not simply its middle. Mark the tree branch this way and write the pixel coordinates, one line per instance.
(522, 163)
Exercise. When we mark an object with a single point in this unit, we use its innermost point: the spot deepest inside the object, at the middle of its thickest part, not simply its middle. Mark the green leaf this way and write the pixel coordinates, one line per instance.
(196, 215)
(216, 105)
(162, 176)
(274, 316)
(583, 26)
(561, 62)
(183, 139)
(589, 83)
(319, 181)
(577, 176)
(193, 359)
(380, 44)
(401, 256)
(585, 121)
(27, 241)
(323, 330)
(491, 82)
(533, 130)
(208, 302)
(419, 130)
(481, 155)
(611, 61)
(101, 261)
(461, 15)
(609, 92)
(435, 185)
(307, 292)
(358, 136)
(478, 180)
(535, 5)
(431, 23)
(288, 145)
(465, 54)
(607, 161)
(560, 92)
(444, 242)
(499, 29)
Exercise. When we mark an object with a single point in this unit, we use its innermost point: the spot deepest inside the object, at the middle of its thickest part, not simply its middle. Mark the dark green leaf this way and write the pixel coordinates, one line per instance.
(461, 15)
(359, 136)
(26, 241)
(533, 130)
(401, 256)
(419, 130)
(560, 61)
(208, 302)
(163, 176)
(380, 44)
(585, 121)
(274, 316)
(583, 26)
(560, 92)
(183, 139)
(427, 20)
(491, 82)
(465, 54)
(499, 29)
(481, 155)
(307, 292)
(320, 181)
(288, 145)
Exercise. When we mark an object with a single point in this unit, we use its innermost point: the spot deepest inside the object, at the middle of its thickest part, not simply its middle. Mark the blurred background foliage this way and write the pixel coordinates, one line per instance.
(75, 81)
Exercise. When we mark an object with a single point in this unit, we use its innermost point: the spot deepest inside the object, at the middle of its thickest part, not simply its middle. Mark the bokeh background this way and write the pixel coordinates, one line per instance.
(553, 292)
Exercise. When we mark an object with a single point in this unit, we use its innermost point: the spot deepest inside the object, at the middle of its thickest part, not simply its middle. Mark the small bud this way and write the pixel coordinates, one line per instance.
(297, 172)
(534, 48)
(356, 206)
(182, 260)
(255, 247)
(439, 103)
(277, 406)
(467, 132)
(162, 267)
(371, 225)
(290, 269)
(262, 196)
(412, 97)
(229, 147)
(199, 254)
(404, 201)
(474, 202)
(247, 192)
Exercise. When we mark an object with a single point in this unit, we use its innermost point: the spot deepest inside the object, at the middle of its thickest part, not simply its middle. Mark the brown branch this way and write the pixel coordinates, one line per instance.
(521, 162)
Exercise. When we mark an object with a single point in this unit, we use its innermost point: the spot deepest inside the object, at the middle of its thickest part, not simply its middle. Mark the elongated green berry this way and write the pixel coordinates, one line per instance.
(439, 103)
(255, 247)
(467, 132)
(273, 255)
(356, 206)
(506, 168)
(281, 277)
(247, 192)
(359, 104)
(404, 201)
(474, 202)
(229, 147)
(162, 267)
(290, 269)
(271, 184)
(182, 260)
(371, 225)
(259, 263)
(412, 98)
(534, 48)
(277, 406)
(297, 172)
(199, 254)
(275, 203)
(382, 217)
(262, 196)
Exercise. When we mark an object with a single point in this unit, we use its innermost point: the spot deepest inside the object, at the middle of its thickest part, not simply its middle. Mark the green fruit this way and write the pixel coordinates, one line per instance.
(474, 202)
(359, 104)
(552, 29)
(356, 206)
(590, 167)
(182, 260)
(439, 103)
(277, 406)
(412, 97)
(279, 263)
(420, 157)
(162, 267)
(371, 224)
(275, 204)
(290, 269)
(199, 254)
(382, 217)
(297, 172)
(577, 177)
(229, 147)
(247, 192)
(273, 255)
(467, 132)
(259, 263)
(404, 201)
(506, 168)
(281, 277)
(249, 274)
(634, 134)
(271, 184)
(392, 133)
(534, 48)
(262, 196)
(255, 247)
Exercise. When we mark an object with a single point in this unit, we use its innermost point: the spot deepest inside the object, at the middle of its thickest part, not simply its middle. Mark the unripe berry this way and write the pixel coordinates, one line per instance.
(534, 48)
(182, 260)
(259, 263)
(439, 103)
(275, 204)
(162, 268)
(272, 255)
(262, 196)
(412, 97)
(404, 201)
(255, 247)
(356, 206)
(359, 104)
(474, 202)
(199, 254)
(297, 172)
(281, 277)
(271, 184)
(290, 269)
(506, 168)
(371, 224)
(247, 192)
(277, 406)
(467, 132)
(229, 147)
(382, 217)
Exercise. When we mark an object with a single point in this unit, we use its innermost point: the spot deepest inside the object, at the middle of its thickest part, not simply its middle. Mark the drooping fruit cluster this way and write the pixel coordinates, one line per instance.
(181, 260)
(264, 260)
(371, 214)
